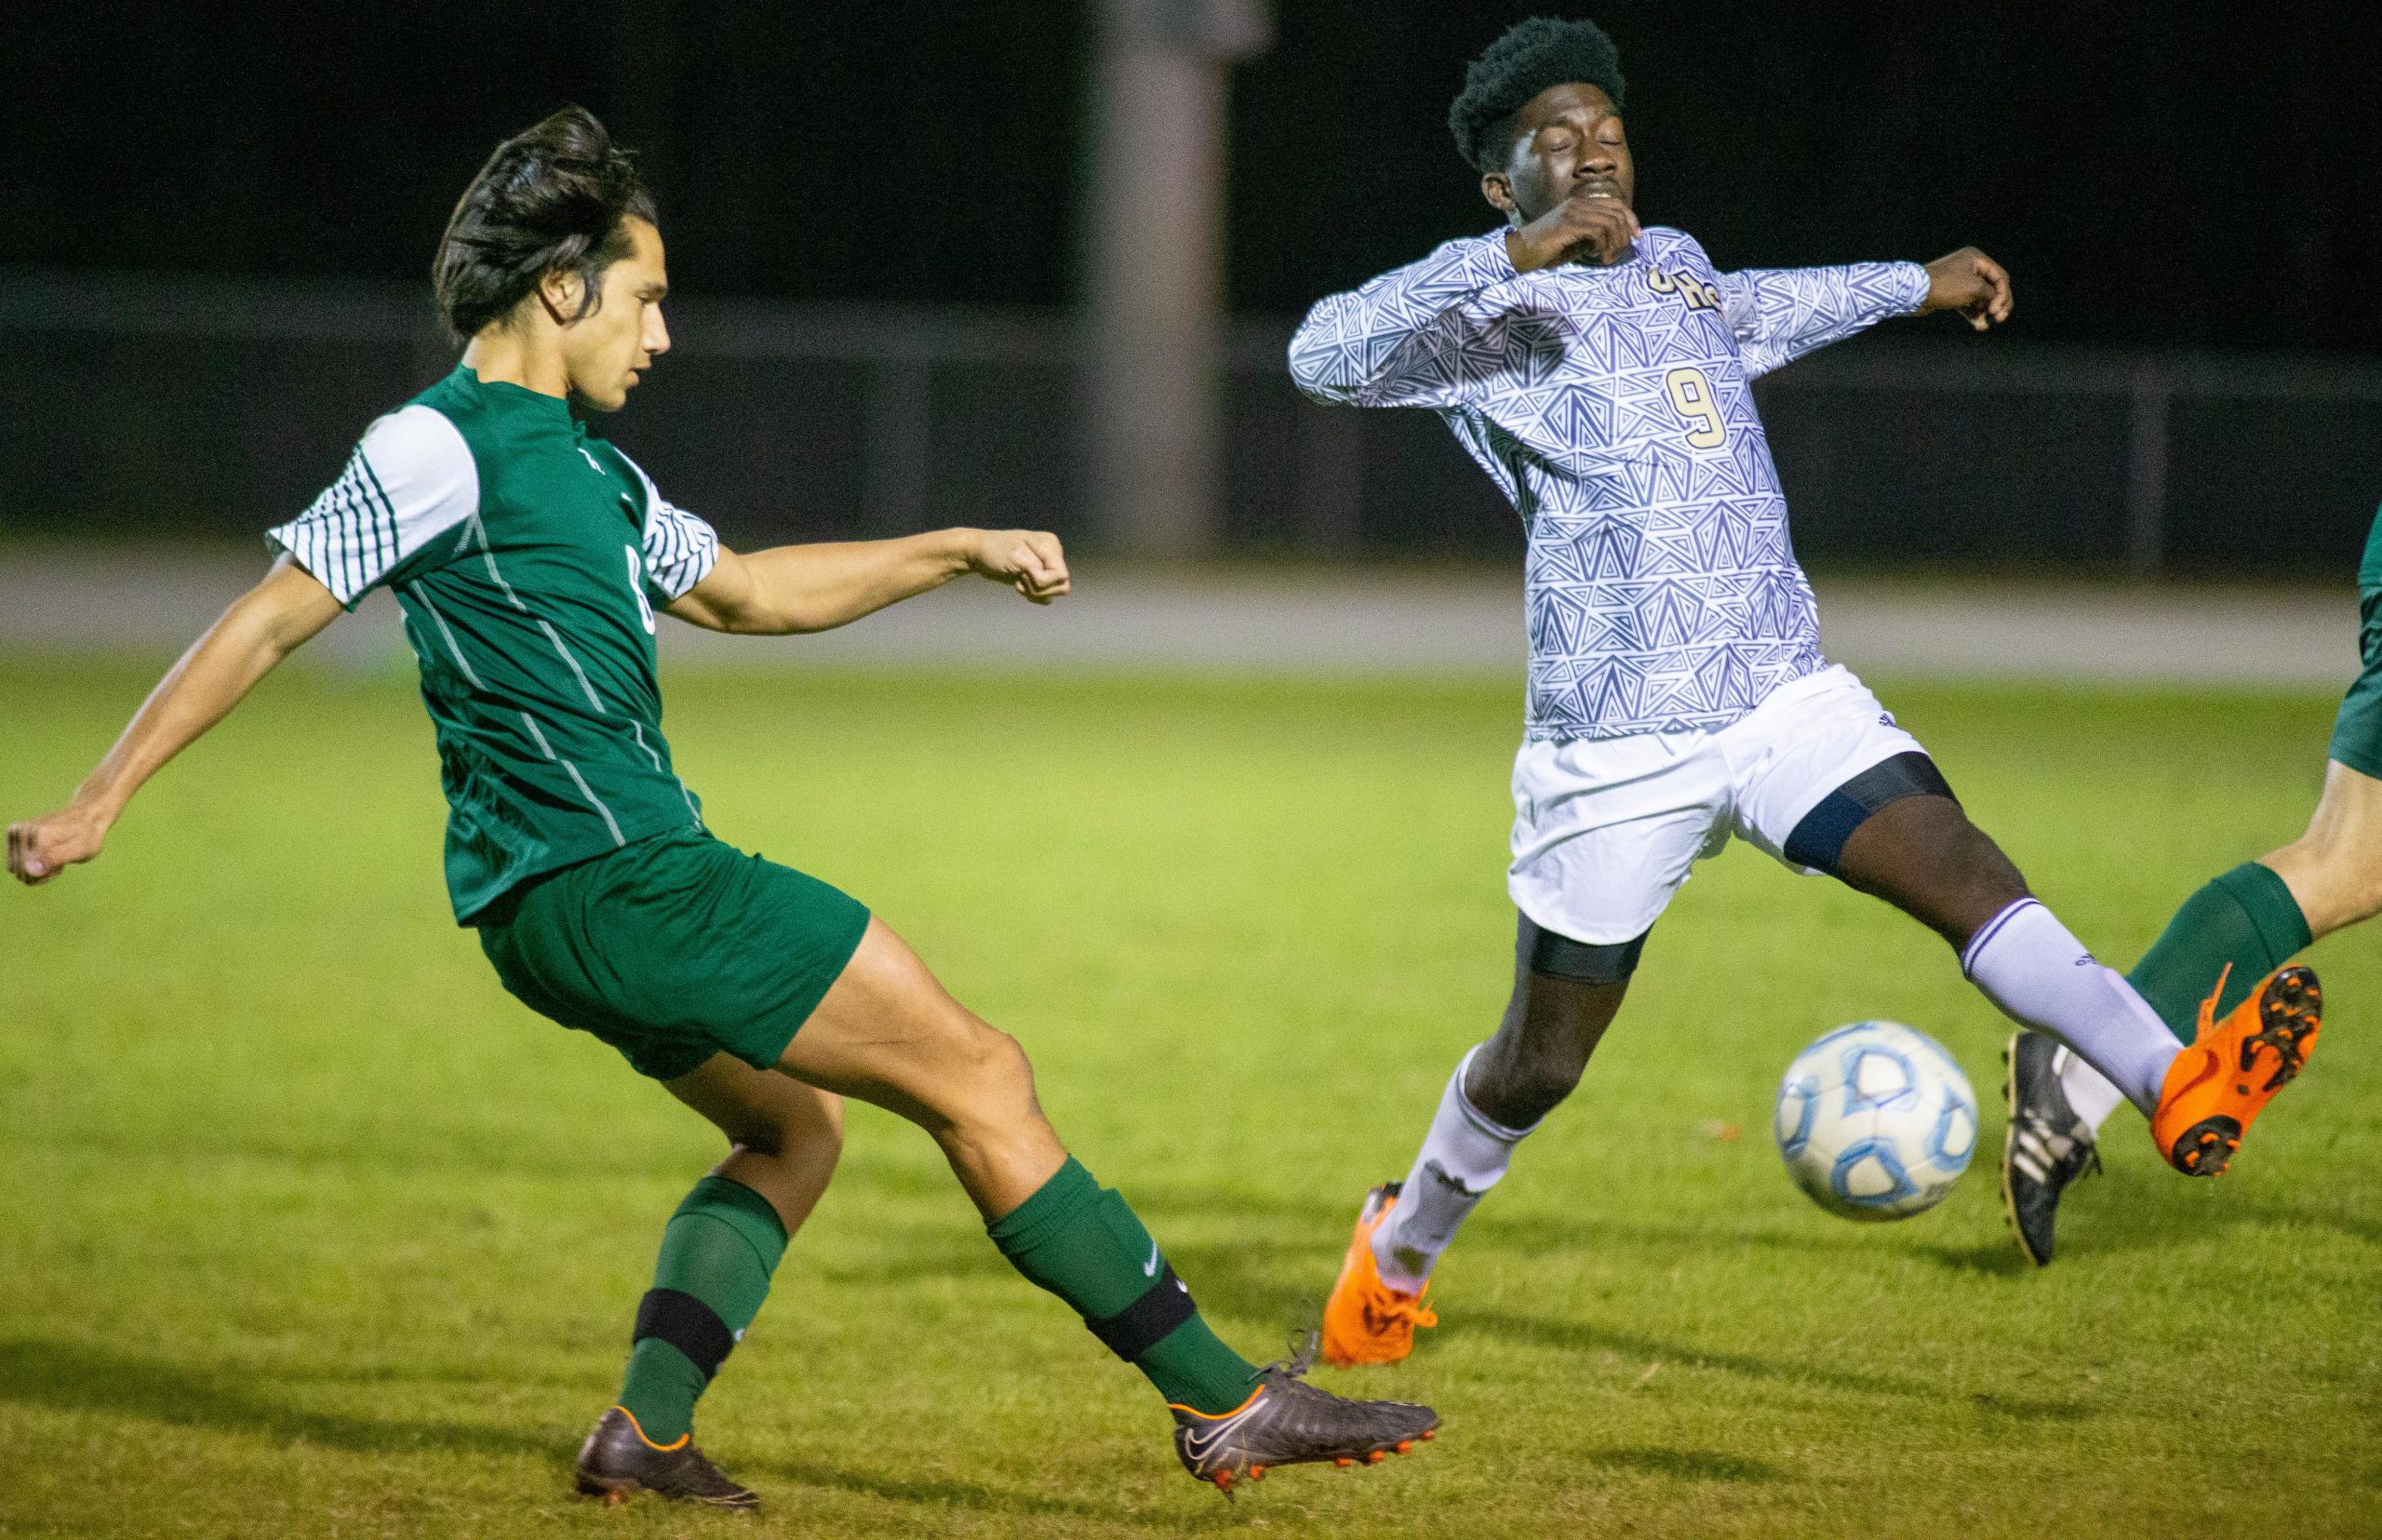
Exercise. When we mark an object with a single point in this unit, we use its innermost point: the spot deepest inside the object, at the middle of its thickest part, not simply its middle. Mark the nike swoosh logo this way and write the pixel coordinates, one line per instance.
(1149, 1268)
(1200, 1442)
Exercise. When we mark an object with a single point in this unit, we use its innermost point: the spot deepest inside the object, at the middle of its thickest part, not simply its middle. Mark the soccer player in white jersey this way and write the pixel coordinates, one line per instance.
(1599, 370)
(528, 557)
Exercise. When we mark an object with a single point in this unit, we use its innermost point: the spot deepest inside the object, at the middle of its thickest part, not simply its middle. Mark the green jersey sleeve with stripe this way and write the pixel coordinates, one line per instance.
(528, 555)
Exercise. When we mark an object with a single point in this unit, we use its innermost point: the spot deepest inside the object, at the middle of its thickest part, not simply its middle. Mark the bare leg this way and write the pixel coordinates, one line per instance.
(889, 1034)
(1550, 1027)
(784, 1137)
(1923, 856)
(2335, 870)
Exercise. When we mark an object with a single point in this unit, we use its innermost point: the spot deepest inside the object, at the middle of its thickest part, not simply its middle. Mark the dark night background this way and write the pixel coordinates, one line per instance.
(2188, 196)
(2194, 174)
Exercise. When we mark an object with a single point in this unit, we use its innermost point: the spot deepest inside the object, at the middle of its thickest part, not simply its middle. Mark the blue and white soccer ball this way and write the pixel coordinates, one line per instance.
(1876, 1121)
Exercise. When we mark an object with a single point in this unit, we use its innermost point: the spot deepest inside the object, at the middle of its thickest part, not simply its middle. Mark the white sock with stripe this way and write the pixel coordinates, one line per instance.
(1462, 1158)
(2026, 962)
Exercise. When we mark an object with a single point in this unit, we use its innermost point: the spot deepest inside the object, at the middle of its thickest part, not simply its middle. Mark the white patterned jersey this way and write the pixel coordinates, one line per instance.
(1611, 406)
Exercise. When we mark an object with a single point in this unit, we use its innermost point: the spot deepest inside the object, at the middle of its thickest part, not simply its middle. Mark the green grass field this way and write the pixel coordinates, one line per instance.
(307, 1229)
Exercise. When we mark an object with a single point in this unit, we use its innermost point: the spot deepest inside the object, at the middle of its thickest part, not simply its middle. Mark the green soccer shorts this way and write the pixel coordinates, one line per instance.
(675, 948)
(2356, 729)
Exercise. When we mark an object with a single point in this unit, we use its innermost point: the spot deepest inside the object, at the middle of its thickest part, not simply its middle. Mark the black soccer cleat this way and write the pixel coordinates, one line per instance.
(618, 1461)
(1287, 1421)
(2046, 1147)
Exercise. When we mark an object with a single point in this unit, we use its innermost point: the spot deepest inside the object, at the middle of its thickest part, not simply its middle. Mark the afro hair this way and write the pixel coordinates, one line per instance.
(1531, 57)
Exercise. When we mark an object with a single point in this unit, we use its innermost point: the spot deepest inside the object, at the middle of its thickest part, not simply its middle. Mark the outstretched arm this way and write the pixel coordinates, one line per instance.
(1781, 313)
(264, 626)
(1412, 337)
(798, 588)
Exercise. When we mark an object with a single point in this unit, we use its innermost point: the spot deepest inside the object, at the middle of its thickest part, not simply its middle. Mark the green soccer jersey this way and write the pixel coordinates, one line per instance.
(2369, 571)
(528, 555)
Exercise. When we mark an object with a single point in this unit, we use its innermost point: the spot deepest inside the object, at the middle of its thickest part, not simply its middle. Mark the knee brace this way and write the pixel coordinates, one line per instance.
(1558, 956)
(1819, 838)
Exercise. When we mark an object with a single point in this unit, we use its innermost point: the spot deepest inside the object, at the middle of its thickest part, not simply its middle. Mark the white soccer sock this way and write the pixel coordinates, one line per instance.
(2087, 1090)
(1462, 1158)
(2028, 964)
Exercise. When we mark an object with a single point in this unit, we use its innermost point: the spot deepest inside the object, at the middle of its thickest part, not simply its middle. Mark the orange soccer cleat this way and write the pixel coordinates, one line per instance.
(2218, 1085)
(1366, 1320)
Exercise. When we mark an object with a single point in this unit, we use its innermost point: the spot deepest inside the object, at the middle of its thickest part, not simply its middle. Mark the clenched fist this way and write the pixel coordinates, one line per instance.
(1588, 227)
(1971, 283)
(40, 847)
(1028, 560)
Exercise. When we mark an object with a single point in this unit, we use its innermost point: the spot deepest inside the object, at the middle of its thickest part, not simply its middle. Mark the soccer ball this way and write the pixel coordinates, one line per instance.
(1876, 1121)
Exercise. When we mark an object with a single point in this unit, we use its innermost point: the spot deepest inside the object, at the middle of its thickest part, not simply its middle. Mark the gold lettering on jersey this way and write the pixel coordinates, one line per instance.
(1698, 294)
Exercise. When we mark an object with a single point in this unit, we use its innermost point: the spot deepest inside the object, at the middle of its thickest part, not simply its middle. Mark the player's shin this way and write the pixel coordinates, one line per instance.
(1082, 1242)
(2028, 964)
(1463, 1155)
(718, 1253)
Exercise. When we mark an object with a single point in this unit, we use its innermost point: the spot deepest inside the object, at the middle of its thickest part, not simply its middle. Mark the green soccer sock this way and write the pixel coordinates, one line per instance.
(718, 1253)
(1081, 1241)
(2248, 918)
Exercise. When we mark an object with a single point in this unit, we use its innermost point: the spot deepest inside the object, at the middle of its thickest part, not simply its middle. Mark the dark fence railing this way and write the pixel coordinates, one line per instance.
(153, 405)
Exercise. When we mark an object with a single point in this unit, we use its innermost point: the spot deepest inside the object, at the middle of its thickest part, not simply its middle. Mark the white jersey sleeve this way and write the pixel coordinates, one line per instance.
(1418, 336)
(1781, 313)
(410, 477)
(680, 549)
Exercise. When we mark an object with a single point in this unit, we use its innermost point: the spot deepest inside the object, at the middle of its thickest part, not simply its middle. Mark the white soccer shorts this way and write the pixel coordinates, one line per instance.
(1605, 830)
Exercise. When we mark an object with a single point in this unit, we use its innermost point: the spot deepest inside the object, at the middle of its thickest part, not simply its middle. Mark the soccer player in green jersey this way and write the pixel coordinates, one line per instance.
(528, 557)
(2236, 929)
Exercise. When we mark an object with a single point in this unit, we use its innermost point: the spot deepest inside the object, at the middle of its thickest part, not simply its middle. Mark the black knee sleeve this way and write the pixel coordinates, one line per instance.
(1819, 839)
(1558, 956)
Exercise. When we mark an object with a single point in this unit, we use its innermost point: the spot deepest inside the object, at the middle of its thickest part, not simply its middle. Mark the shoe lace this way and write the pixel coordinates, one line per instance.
(1304, 1343)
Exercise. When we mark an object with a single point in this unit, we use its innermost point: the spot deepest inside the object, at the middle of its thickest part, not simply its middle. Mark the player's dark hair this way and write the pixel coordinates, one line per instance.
(1531, 57)
(553, 198)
